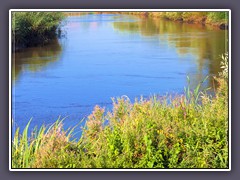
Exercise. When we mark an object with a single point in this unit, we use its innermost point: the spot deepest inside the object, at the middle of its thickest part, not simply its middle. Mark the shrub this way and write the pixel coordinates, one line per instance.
(34, 28)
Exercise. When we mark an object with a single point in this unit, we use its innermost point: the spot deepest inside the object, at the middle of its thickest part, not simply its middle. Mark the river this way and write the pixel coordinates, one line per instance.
(105, 55)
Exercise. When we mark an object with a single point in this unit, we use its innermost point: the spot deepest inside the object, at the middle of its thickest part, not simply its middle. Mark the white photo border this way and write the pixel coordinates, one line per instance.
(117, 10)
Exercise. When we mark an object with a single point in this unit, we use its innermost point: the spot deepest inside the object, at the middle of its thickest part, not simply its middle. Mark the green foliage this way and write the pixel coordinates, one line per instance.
(199, 17)
(190, 131)
(194, 96)
(34, 28)
(173, 15)
(224, 66)
(28, 151)
(188, 16)
(217, 17)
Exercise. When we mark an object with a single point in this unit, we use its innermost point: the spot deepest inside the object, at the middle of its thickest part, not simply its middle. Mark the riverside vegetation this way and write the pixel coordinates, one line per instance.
(34, 28)
(186, 131)
(219, 19)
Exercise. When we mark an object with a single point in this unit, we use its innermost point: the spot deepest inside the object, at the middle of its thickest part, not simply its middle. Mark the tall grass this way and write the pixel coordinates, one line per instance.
(34, 28)
(190, 131)
(25, 149)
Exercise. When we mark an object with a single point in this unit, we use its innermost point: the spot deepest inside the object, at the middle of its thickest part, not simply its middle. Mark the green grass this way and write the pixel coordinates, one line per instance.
(213, 18)
(34, 28)
(186, 131)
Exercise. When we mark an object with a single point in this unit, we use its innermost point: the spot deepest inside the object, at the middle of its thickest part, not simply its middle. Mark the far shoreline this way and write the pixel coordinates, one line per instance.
(200, 18)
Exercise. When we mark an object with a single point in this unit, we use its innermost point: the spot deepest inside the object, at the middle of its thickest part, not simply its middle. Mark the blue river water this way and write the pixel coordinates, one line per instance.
(103, 56)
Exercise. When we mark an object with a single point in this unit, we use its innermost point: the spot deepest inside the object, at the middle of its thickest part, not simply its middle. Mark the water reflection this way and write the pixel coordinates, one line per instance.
(205, 42)
(35, 59)
(108, 56)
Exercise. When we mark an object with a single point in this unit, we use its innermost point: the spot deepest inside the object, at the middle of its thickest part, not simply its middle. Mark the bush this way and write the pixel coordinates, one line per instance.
(34, 28)
(220, 17)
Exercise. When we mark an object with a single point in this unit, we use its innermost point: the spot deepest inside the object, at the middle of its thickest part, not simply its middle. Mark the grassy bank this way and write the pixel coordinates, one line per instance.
(187, 131)
(34, 28)
(219, 19)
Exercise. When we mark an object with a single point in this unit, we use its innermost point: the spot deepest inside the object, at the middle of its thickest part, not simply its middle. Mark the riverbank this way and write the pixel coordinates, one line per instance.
(217, 19)
(189, 132)
(34, 28)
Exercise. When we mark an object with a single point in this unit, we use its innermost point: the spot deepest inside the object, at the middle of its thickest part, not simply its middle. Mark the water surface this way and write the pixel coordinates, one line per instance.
(104, 56)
